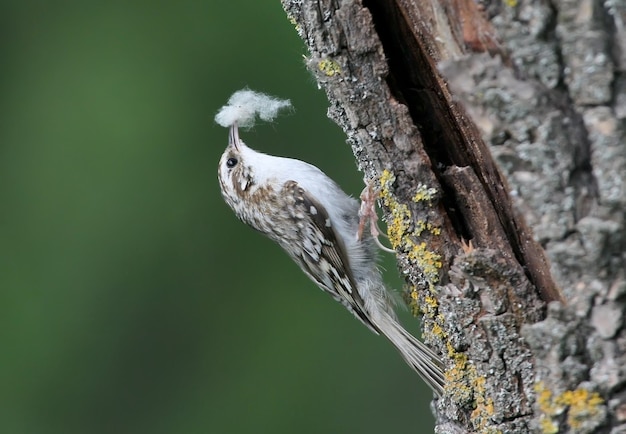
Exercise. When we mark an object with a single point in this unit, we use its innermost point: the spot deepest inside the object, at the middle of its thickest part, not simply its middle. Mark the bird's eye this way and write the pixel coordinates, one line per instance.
(231, 162)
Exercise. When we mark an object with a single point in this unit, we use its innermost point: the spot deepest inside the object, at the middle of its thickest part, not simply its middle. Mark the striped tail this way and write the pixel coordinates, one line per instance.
(421, 358)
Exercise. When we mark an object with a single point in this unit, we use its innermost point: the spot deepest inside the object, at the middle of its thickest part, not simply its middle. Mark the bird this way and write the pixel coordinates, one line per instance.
(299, 207)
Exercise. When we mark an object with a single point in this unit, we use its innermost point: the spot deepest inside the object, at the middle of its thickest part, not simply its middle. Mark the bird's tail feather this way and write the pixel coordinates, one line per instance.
(417, 355)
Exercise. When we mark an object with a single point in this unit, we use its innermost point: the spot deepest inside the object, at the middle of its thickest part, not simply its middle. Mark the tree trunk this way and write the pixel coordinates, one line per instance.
(495, 133)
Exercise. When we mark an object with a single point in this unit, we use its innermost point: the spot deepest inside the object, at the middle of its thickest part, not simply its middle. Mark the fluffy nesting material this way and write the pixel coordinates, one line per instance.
(245, 105)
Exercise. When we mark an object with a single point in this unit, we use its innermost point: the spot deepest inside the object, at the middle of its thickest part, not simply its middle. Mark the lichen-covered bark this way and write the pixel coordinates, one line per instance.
(555, 123)
(427, 92)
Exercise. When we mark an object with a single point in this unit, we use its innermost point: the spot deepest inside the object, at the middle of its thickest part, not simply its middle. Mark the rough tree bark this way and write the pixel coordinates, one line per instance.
(480, 121)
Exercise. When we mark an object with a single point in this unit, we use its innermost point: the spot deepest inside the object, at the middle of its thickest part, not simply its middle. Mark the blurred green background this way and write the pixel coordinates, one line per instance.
(131, 298)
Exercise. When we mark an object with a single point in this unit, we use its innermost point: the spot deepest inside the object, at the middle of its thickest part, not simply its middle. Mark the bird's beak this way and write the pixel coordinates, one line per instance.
(233, 136)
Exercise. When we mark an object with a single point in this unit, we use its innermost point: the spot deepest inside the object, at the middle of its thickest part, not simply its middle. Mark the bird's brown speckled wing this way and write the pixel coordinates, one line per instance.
(323, 256)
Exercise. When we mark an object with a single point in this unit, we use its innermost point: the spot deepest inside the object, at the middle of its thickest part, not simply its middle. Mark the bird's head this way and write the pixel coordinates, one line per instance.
(236, 171)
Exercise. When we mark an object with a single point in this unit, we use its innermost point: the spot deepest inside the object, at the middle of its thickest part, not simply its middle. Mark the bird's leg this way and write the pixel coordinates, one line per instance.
(368, 215)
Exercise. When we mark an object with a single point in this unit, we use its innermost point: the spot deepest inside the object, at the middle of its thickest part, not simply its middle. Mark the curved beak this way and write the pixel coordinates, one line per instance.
(233, 136)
